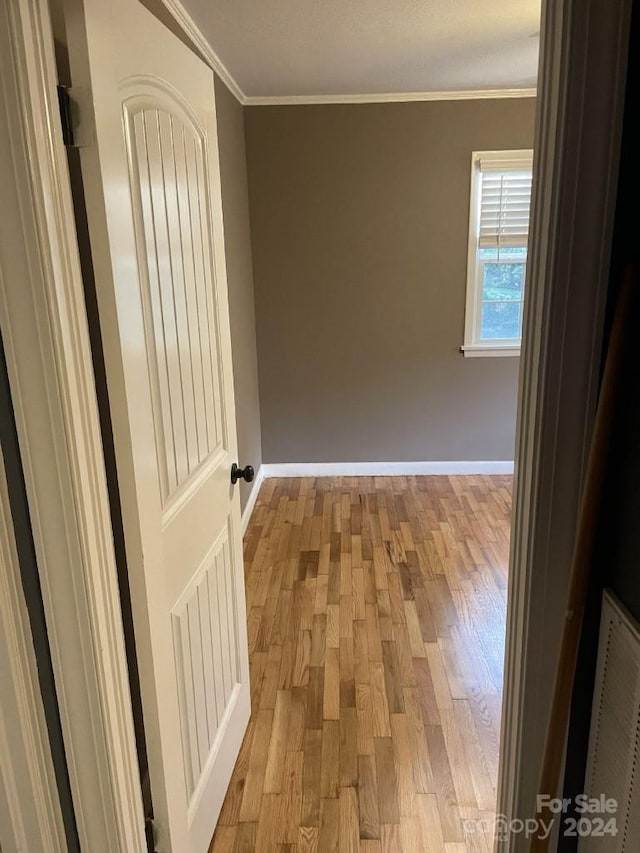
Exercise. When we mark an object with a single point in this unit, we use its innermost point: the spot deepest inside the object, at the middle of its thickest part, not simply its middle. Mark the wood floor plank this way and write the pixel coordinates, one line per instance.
(311, 776)
(287, 658)
(446, 794)
(438, 676)
(411, 834)
(405, 659)
(387, 781)
(291, 800)
(484, 790)
(252, 795)
(364, 719)
(297, 718)
(369, 811)
(331, 699)
(230, 812)
(422, 770)
(308, 839)
(224, 840)
(392, 679)
(348, 763)
(278, 743)
(329, 834)
(426, 693)
(425, 617)
(375, 619)
(359, 604)
(390, 841)
(373, 633)
(333, 626)
(414, 630)
(349, 821)
(257, 664)
(330, 772)
(384, 615)
(315, 697)
(270, 682)
(302, 659)
(401, 741)
(318, 639)
(429, 818)
(458, 762)
(347, 673)
(369, 845)
(246, 838)
(267, 829)
(360, 652)
(379, 704)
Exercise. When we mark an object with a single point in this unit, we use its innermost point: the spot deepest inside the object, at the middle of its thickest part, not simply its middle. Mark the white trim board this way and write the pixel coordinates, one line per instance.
(383, 469)
(251, 503)
(44, 328)
(387, 97)
(583, 62)
(30, 816)
(189, 27)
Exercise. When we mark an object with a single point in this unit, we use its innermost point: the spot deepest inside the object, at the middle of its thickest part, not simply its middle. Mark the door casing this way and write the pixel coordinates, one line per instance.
(30, 810)
(44, 330)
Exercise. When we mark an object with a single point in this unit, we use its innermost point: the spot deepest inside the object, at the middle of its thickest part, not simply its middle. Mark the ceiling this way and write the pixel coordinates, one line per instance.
(312, 48)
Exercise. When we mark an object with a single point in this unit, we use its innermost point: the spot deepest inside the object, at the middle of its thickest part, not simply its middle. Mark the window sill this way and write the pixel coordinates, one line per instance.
(488, 351)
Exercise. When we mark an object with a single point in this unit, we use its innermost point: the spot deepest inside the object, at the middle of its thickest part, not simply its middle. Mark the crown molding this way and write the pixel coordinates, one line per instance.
(193, 32)
(390, 97)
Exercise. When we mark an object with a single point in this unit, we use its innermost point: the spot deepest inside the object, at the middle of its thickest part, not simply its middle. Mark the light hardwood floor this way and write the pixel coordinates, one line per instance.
(376, 611)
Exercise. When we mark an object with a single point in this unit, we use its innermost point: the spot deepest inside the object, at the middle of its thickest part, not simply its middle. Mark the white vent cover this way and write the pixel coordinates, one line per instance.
(614, 742)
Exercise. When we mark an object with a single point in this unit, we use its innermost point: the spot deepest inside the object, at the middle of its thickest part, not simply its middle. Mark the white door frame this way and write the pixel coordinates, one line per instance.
(30, 815)
(577, 146)
(44, 326)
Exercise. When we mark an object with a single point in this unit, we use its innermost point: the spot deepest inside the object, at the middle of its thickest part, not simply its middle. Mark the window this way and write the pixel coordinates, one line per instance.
(498, 238)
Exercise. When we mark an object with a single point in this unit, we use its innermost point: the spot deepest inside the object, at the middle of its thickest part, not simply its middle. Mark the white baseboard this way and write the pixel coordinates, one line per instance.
(253, 497)
(382, 469)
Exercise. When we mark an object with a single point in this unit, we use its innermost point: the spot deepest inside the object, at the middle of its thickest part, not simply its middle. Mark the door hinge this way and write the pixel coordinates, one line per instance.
(76, 116)
(151, 833)
(64, 102)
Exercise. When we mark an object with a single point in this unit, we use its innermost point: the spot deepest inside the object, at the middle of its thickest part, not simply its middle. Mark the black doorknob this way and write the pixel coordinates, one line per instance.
(247, 473)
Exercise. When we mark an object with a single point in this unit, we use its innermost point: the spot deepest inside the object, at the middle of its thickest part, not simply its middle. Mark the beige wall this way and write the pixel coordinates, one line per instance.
(359, 218)
(235, 208)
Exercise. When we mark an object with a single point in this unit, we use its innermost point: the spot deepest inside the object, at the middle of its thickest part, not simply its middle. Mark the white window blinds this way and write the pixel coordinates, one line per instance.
(505, 203)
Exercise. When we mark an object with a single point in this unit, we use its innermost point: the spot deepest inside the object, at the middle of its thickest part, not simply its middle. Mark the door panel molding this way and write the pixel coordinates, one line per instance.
(44, 327)
(180, 324)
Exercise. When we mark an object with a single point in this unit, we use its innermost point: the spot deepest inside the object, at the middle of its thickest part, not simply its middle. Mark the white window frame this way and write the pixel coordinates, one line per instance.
(474, 346)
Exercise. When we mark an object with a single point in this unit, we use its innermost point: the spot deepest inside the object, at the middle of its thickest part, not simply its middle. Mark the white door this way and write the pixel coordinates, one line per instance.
(152, 186)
